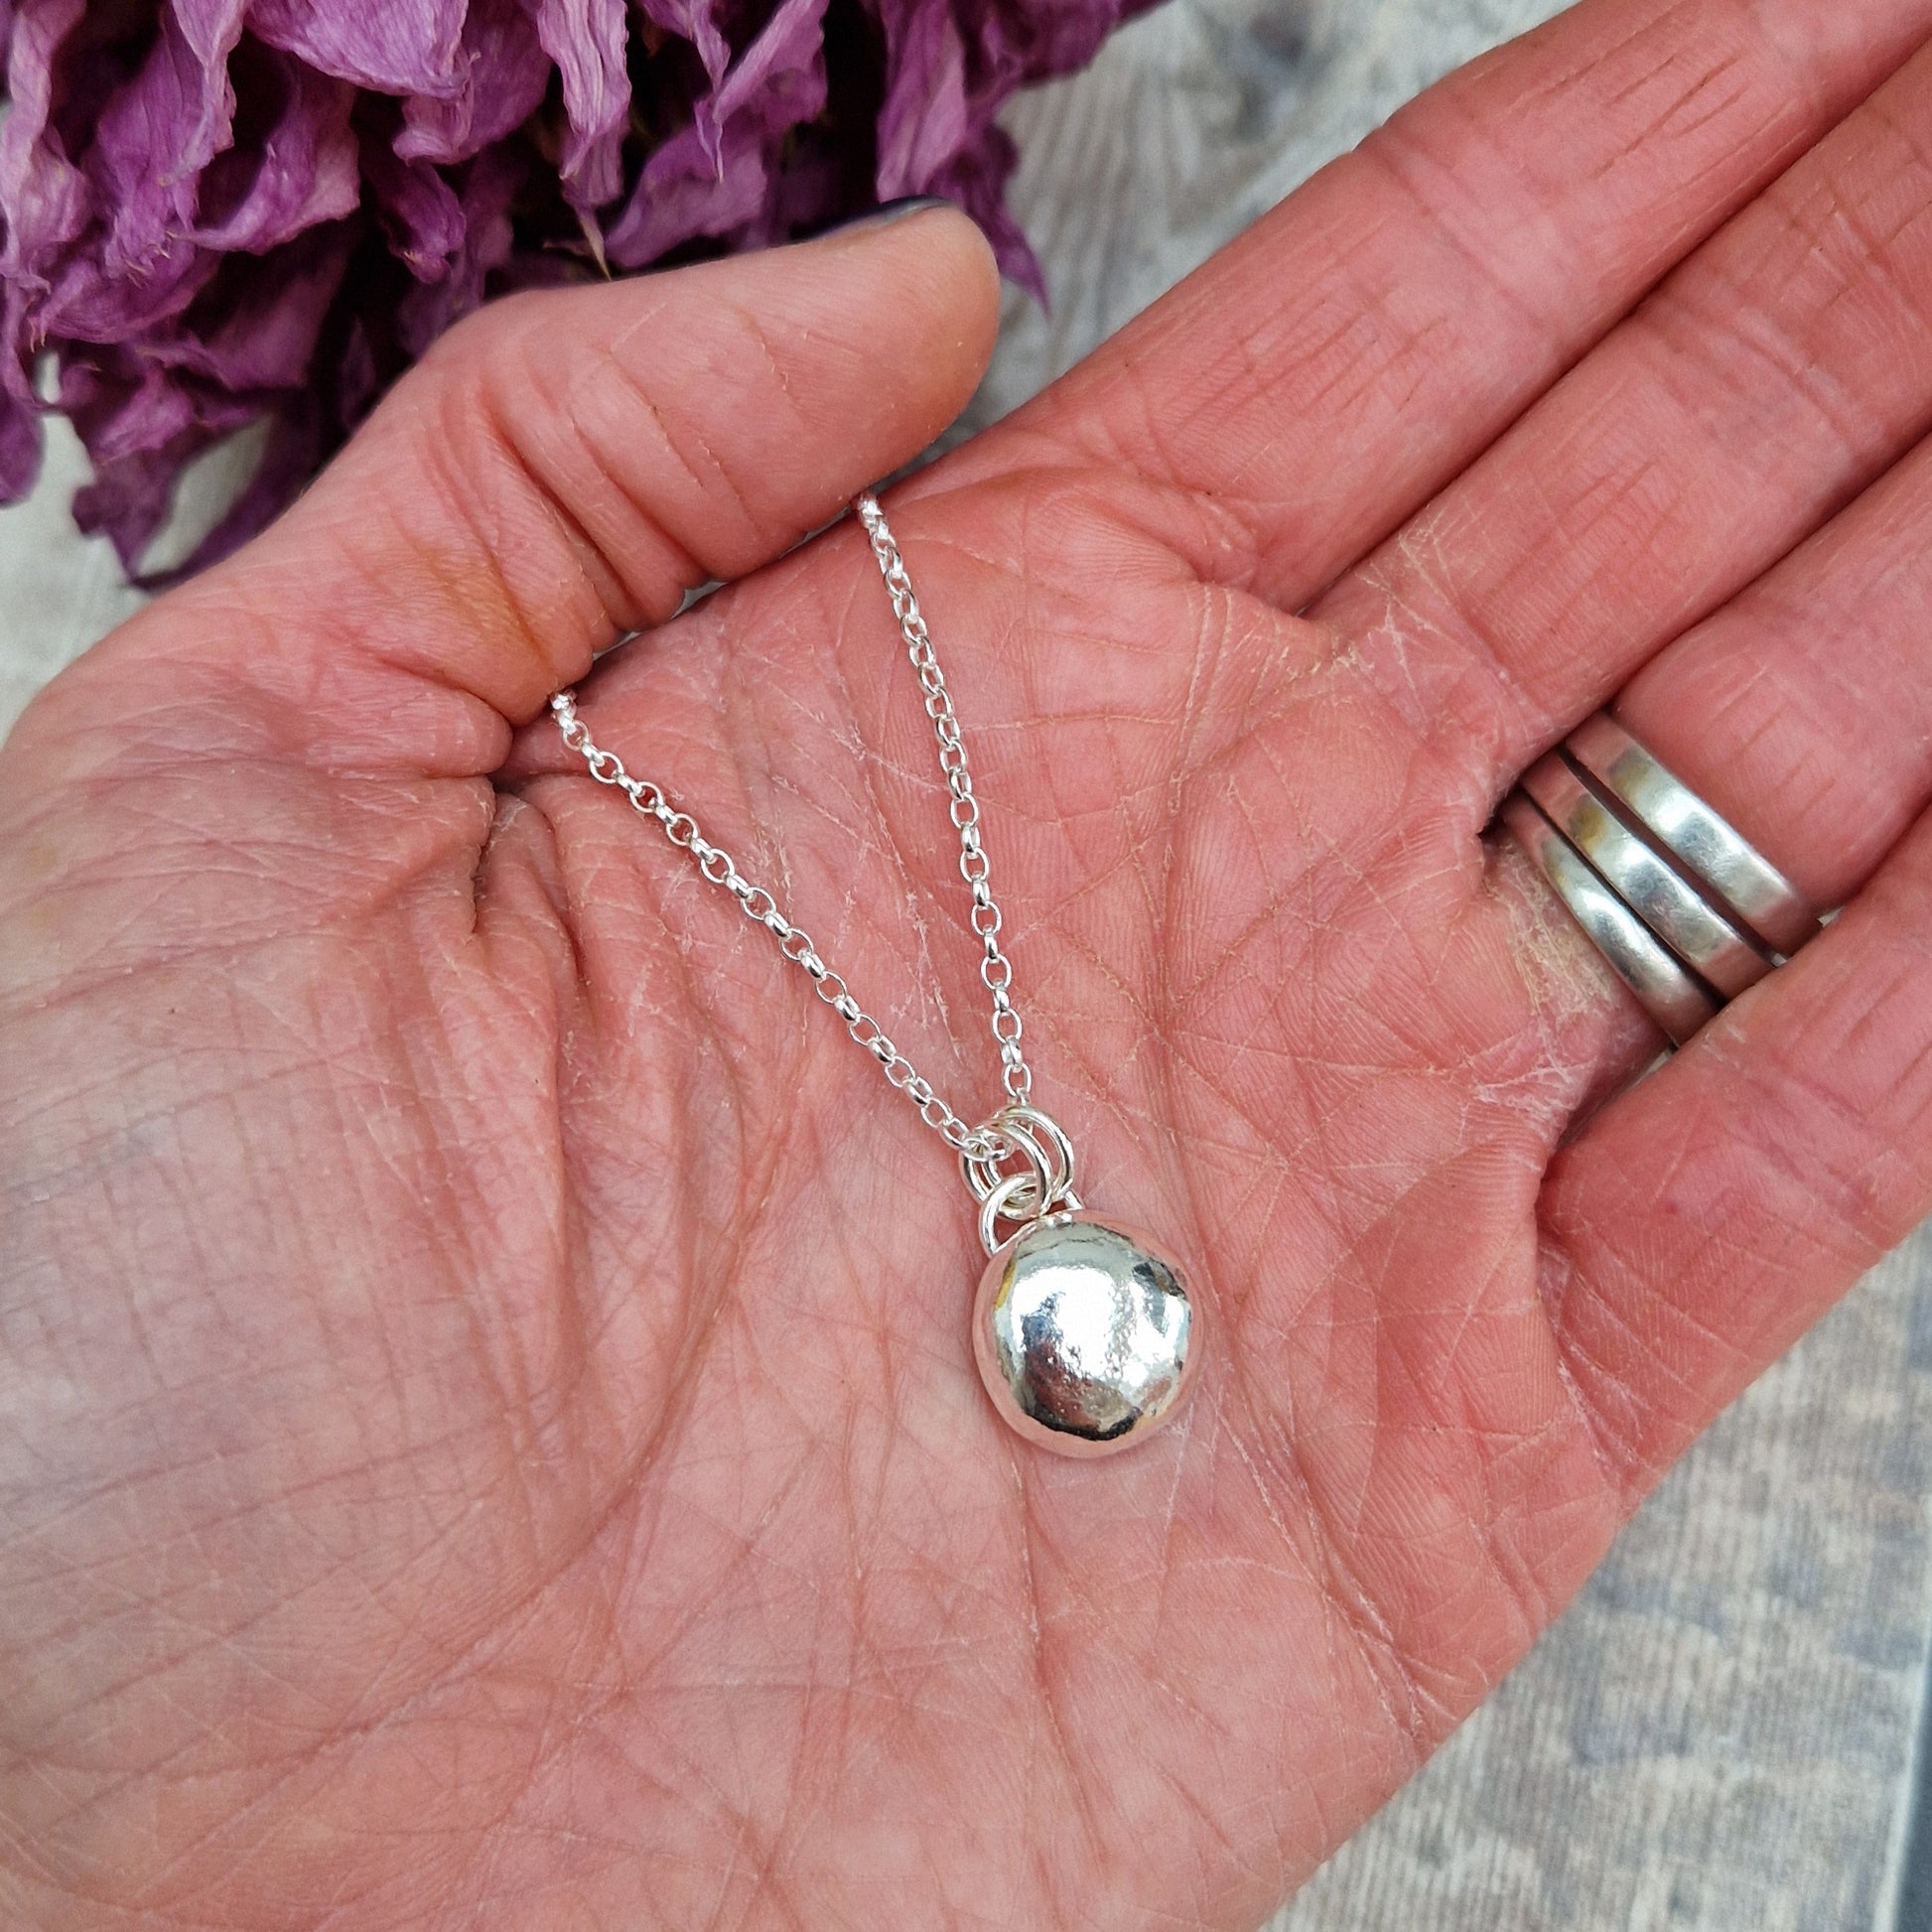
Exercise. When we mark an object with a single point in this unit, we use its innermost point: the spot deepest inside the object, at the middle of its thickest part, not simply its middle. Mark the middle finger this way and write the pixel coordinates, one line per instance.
(1802, 710)
(1776, 372)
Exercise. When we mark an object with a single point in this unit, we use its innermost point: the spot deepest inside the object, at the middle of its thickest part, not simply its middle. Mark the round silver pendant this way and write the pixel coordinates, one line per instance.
(1086, 1334)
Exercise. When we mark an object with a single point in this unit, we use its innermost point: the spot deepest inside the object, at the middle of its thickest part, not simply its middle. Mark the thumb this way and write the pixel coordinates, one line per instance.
(559, 469)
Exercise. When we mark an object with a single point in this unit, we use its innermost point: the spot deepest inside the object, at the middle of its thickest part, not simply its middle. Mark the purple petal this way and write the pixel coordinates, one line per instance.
(418, 208)
(140, 424)
(715, 176)
(154, 137)
(45, 201)
(123, 405)
(99, 302)
(504, 74)
(182, 202)
(977, 180)
(20, 446)
(685, 193)
(298, 440)
(358, 380)
(127, 500)
(693, 21)
(258, 326)
(938, 131)
(779, 79)
(925, 121)
(495, 175)
(294, 160)
(393, 47)
(586, 39)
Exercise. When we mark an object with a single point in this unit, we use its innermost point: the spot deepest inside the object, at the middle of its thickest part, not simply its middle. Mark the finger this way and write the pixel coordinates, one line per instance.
(1784, 366)
(559, 469)
(1706, 1219)
(1802, 710)
(1323, 377)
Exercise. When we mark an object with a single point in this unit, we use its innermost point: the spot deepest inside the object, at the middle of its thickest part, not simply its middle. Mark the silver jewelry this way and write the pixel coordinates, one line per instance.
(1084, 1330)
(1645, 881)
(1664, 990)
(1709, 849)
(1684, 907)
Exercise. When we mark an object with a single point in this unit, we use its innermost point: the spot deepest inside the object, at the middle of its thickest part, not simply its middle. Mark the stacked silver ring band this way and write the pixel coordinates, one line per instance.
(1684, 907)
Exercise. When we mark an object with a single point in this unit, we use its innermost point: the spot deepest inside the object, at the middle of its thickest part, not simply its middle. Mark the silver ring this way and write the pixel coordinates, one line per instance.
(1682, 904)
(1039, 1139)
(1664, 989)
(1711, 848)
(1645, 881)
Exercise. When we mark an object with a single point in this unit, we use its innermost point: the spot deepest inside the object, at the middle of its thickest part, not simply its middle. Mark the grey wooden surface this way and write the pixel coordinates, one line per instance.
(1720, 1733)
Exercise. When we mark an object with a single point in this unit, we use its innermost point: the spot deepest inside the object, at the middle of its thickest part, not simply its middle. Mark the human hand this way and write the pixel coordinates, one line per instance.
(490, 1435)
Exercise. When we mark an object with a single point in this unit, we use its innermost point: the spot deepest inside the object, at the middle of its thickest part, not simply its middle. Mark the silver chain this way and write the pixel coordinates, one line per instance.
(983, 1144)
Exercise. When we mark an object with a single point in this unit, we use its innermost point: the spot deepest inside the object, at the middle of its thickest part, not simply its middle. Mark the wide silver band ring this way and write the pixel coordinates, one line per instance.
(1686, 911)
(1706, 845)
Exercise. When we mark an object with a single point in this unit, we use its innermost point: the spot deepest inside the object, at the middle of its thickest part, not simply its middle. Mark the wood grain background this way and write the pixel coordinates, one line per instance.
(1722, 1732)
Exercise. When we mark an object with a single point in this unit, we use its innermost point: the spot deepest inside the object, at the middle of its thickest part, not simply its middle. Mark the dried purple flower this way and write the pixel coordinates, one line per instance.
(214, 212)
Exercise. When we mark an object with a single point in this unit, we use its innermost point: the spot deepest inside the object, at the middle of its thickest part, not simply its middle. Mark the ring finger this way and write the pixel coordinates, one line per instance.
(1782, 367)
(1803, 709)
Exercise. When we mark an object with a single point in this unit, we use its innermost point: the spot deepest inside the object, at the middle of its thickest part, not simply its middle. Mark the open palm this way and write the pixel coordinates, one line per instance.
(489, 1431)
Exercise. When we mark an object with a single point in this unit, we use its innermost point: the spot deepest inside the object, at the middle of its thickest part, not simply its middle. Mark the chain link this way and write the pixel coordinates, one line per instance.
(996, 969)
(985, 1145)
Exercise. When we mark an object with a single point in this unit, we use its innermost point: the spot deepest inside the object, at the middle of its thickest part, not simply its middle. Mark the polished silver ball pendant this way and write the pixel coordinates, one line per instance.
(1086, 1334)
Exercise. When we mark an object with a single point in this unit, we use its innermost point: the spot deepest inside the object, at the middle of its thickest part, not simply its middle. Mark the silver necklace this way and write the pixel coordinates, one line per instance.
(1084, 1331)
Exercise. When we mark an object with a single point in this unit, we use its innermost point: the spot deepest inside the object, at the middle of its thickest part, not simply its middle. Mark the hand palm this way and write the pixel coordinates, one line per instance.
(530, 1457)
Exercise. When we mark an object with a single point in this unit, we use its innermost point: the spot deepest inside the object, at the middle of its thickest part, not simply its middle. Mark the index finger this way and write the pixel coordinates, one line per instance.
(1325, 375)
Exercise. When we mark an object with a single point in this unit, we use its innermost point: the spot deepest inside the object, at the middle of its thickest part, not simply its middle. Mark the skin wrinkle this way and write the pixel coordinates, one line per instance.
(927, 977)
(1651, 313)
(169, 732)
(1534, 1608)
(686, 566)
(704, 1041)
(1366, 1641)
(1401, 152)
(1604, 1401)
(1267, 916)
(1694, 107)
(384, 894)
(448, 462)
(486, 410)
(1049, 1721)
(1701, 227)
(1876, 248)
(703, 470)
(1855, 1189)
(1356, 1603)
